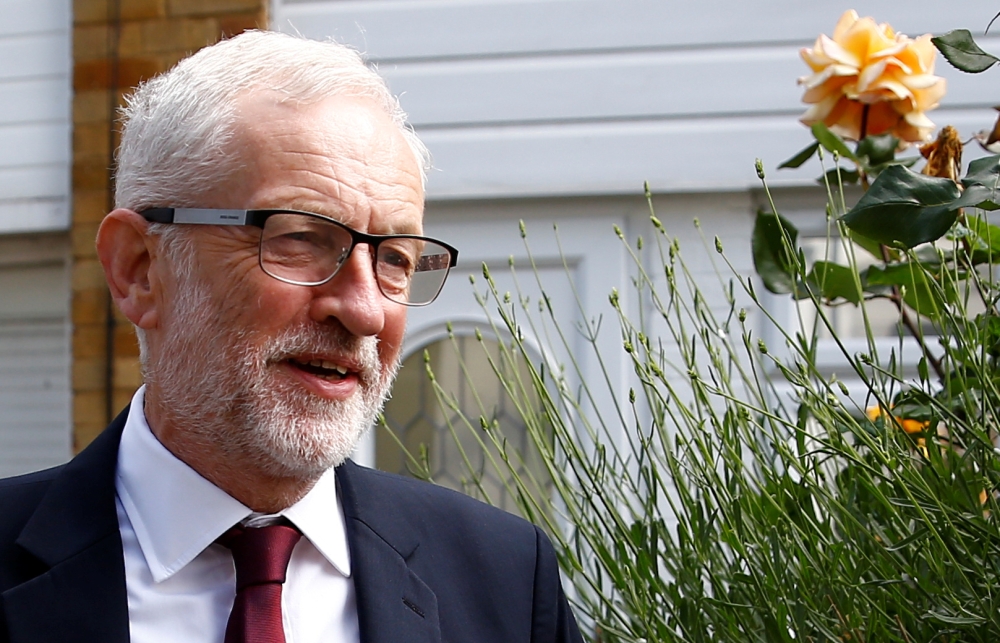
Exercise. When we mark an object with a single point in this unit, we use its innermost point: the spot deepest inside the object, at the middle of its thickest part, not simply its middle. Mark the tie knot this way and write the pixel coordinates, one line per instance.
(260, 554)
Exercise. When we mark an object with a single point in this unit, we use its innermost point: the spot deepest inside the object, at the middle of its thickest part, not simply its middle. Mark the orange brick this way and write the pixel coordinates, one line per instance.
(87, 274)
(135, 70)
(90, 418)
(209, 7)
(85, 11)
(91, 141)
(89, 341)
(143, 9)
(90, 206)
(90, 306)
(91, 106)
(126, 344)
(91, 175)
(103, 74)
(82, 236)
(92, 41)
(170, 35)
(128, 375)
(89, 374)
(91, 11)
(232, 25)
(170, 59)
(92, 74)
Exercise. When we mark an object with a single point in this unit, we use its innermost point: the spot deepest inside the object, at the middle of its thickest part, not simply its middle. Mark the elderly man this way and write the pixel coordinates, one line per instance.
(266, 243)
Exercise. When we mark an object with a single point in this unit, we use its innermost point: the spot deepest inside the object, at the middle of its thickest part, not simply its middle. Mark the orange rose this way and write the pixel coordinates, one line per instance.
(867, 65)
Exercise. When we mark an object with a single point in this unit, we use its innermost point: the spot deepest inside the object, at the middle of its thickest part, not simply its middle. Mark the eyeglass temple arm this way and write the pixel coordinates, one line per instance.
(203, 216)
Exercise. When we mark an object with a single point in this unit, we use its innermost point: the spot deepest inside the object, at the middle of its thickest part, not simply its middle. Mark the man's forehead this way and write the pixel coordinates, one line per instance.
(339, 157)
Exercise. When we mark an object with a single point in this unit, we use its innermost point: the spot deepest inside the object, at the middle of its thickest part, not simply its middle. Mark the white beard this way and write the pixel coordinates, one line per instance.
(223, 388)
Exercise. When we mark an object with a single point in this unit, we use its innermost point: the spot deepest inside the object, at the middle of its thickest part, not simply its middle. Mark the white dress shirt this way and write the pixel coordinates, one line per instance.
(181, 585)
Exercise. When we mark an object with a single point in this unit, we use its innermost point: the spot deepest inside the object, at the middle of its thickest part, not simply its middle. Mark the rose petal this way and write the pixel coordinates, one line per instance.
(928, 99)
(834, 86)
(830, 72)
(870, 74)
(919, 119)
(921, 81)
(820, 110)
(845, 22)
(839, 54)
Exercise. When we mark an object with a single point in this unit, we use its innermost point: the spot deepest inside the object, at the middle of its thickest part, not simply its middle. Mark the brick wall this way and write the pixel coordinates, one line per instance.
(117, 44)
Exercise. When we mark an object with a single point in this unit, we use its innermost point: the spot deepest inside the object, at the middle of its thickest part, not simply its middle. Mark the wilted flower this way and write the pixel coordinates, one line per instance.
(944, 155)
(867, 77)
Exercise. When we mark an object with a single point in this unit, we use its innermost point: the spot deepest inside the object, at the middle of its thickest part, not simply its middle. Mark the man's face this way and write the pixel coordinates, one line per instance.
(289, 376)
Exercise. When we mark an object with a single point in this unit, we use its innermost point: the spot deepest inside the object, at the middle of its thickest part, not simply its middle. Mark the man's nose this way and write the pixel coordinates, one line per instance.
(352, 296)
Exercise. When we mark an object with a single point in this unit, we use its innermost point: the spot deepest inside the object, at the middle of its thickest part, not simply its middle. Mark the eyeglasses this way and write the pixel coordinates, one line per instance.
(308, 249)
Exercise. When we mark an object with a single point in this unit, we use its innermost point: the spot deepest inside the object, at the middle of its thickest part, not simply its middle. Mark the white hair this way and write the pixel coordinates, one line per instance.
(177, 127)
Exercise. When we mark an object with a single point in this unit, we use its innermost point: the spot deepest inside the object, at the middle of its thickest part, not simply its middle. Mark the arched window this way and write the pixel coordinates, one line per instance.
(458, 458)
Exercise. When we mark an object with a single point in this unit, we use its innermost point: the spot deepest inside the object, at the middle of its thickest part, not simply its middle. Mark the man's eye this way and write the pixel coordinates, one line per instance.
(396, 260)
(301, 239)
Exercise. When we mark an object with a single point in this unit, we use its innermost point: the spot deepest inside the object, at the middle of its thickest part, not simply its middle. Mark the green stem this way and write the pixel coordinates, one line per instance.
(862, 133)
(915, 331)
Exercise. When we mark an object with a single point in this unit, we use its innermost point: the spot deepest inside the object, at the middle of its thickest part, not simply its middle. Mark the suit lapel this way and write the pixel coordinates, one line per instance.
(394, 604)
(79, 593)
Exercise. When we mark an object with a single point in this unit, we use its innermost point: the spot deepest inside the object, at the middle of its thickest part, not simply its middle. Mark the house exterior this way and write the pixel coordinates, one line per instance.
(546, 111)
(35, 99)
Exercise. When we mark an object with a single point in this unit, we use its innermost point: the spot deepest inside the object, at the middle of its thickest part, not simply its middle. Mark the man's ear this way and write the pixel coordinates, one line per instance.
(125, 251)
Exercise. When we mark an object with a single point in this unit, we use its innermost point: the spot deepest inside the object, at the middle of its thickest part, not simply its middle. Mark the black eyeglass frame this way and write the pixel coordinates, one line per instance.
(257, 219)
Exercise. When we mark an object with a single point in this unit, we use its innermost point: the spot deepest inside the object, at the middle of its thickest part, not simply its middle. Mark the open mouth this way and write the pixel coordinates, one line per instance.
(321, 368)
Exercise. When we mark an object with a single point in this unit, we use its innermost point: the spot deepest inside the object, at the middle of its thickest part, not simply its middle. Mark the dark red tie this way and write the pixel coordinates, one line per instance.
(261, 556)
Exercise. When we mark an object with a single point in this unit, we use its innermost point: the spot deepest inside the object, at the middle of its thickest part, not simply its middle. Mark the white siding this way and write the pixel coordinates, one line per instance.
(34, 353)
(35, 104)
(572, 97)
(35, 158)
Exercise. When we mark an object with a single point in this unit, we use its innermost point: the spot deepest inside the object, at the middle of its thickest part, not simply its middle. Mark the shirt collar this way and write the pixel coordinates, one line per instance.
(176, 513)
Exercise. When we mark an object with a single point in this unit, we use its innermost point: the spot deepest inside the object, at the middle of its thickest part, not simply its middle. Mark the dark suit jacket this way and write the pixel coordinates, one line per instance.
(429, 564)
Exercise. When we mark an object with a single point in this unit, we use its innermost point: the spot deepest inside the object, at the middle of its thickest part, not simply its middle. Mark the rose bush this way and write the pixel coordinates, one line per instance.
(868, 79)
(742, 492)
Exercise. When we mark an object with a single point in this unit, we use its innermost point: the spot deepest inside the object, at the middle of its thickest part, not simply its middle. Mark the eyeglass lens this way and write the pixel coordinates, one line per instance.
(308, 250)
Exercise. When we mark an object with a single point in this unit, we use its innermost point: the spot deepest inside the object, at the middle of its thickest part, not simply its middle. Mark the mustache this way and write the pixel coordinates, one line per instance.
(329, 339)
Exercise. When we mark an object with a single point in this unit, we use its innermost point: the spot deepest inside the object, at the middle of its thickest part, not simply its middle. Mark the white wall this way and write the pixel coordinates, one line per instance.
(35, 423)
(35, 159)
(35, 107)
(571, 97)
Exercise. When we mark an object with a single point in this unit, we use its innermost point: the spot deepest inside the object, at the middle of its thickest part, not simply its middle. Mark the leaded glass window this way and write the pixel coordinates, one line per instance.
(456, 458)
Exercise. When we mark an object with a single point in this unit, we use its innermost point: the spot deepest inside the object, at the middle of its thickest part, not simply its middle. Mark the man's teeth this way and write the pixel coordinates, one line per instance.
(330, 366)
(322, 366)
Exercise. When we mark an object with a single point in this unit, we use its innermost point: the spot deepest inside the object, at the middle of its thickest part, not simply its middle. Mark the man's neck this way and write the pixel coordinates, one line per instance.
(251, 482)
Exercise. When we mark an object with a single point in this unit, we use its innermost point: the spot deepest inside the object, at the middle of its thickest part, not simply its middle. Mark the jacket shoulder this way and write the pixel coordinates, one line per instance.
(19, 495)
(19, 498)
(430, 505)
(496, 572)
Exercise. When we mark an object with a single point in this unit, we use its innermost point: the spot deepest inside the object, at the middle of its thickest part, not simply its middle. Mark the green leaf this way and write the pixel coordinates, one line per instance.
(773, 260)
(839, 175)
(832, 142)
(962, 52)
(905, 208)
(981, 184)
(873, 247)
(834, 281)
(985, 239)
(801, 157)
(878, 149)
(920, 292)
